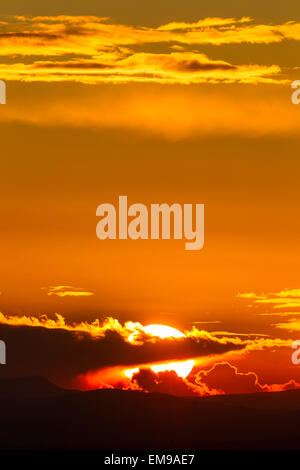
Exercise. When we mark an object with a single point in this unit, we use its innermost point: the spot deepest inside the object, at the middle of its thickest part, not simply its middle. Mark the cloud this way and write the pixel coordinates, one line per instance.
(169, 382)
(195, 343)
(290, 325)
(145, 379)
(287, 298)
(251, 341)
(97, 354)
(206, 22)
(58, 35)
(225, 377)
(130, 331)
(290, 385)
(173, 113)
(278, 314)
(61, 352)
(172, 68)
(222, 378)
(67, 291)
(101, 51)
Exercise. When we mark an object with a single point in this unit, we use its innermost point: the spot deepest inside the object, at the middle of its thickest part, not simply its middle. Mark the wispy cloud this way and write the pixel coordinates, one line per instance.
(58, 35)
(92, 50)
(97, 353)
(279, 314)
(291, 325)
(135, 333)
(287, 298)
(227, 378)
(175, 67)
(173, 113)
(67, 291)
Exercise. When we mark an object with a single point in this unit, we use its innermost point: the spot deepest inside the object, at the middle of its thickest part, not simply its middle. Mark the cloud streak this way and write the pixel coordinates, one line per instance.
(67, 291)
(221, 379)
(97, 354)
(287, 298)
(79, 34)
(173, 68)
(226, 378)
(62, 351)
(291, 325)
(173, 113)
(105, 52)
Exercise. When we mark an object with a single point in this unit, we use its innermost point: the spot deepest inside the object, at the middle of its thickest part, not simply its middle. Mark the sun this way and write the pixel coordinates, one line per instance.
(182, 368)
(163, 331)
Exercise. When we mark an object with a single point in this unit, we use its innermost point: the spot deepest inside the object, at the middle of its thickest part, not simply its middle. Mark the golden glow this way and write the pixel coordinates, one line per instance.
(104, 51)
(163, 331)
(182, 368)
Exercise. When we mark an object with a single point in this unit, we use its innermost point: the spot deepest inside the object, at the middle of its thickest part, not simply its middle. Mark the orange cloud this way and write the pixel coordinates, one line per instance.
(174, 112)
(290, 385)
(144, 379)
(103, 52)
(67, 291)
(95, 328)
(290, 325)
(222, 378)
(226, 377)
(99, 354)
(287, 298)
(252, 342)
(175, 67)
(278, 314)
(168, 382)
(58, 35)
(206, 22)
(135, 333)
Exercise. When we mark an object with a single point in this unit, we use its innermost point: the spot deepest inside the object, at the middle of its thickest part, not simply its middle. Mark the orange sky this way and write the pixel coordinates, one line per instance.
(54, 177)
(170, 107)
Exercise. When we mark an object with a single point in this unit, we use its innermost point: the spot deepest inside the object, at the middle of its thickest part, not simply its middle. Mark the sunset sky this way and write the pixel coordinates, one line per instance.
(175, 102)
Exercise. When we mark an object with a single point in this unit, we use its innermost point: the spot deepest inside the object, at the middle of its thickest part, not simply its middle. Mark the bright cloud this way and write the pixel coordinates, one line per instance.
(67, 291)
(93, 49)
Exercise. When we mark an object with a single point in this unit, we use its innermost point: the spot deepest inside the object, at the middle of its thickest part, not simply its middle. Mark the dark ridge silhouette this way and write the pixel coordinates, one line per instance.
(120, 420)
(26, 387)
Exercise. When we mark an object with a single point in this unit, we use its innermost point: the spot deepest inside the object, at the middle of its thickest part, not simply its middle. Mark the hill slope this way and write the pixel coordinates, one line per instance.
(115, 419)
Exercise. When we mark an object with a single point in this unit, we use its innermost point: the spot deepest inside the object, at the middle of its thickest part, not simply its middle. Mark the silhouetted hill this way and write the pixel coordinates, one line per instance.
(26, 387)
(115, 419)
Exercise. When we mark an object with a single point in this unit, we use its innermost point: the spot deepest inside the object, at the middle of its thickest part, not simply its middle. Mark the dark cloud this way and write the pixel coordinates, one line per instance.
(73, 65)
(167, 382)
(60, 355)
(197, 66)
(228, 380)
(225, 377)
(30, 35)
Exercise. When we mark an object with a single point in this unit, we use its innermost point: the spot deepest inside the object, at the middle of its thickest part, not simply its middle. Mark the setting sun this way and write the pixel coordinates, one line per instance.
(182, 368)
(163, 331)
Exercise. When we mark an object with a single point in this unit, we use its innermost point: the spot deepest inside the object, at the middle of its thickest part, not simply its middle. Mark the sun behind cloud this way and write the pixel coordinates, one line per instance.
(182, 368)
